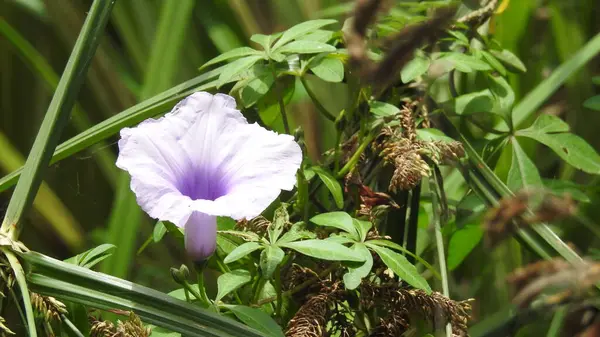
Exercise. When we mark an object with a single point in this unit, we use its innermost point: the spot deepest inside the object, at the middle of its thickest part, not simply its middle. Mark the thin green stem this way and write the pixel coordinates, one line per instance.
(439, 240)
(316, 102)
(355, 157)
(71, 326)
(201, 288)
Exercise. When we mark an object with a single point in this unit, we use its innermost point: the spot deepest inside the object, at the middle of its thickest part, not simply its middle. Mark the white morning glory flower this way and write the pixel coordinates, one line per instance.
(204, 160)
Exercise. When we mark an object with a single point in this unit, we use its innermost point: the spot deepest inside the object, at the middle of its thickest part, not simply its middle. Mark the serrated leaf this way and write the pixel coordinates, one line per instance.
(462, 242)
(510, 60)
(340, 220)
(362, 227)
(234, 53)
(159, 231)
(306, 47)
(592, 103)
(466, 63)
(242, 251)
(414, 68)
(90, 258)
(383, 109)
(493, 61)
(324, 250)
(236, 67)
(332, 184)
(328, 69)
(401, 267)
(354, 276)
(522, 172)
(301, 29)
(257, 319)
(231, 281)
(270, 258)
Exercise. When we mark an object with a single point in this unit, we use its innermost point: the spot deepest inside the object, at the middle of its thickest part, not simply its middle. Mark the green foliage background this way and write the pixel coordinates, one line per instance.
(152, 45)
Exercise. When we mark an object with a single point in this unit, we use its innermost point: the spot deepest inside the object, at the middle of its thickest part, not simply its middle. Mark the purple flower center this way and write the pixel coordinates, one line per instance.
(202, 185)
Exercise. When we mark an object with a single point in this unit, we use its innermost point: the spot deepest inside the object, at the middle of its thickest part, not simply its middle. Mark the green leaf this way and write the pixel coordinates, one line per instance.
(306, 47)
(401, 267)
(415, 68)
(324, 250)
(462, 242)
(504, 96)
(571, 148)
(466, 63)
(494, 62)
(354, 276)
(562, 187)
(333, 185)
(264, 40)
(280, 219)
(545, 124)
(328, 69)
(173, 229)
(592, 103)
(301, 29)
(318, 35)
(510, 60)
(93, 256)
(481, 101)
(242, 251)
(459, 36)
(159, 231)
(431, 135)
(523, 172)
(225, 223)
(235, 68)
(383, 109)
(297, 232)
(160, 332)
(270, 258)
(234, 53)
(362, 227)
(231, 281)
(256, 88)
(340, 220)
(257, 319)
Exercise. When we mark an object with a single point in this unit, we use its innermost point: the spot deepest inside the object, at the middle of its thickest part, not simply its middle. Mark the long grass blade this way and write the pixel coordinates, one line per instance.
(56, 278)
(19, 273)
(57, 115)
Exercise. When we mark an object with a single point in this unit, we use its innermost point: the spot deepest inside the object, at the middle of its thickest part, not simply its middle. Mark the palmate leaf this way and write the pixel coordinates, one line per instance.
(231, 281)
(523, 172)
(401, 267)
(90, 258)
(324, 250)
(415, 68)
(306, 47)
(299, 30)
(234, 53)
(332, 184)
(340, 220)
(328, 69)
(270, 258)
(551, 131)
(256, 319)
(235, 68)
(354, 276)
(242, 251)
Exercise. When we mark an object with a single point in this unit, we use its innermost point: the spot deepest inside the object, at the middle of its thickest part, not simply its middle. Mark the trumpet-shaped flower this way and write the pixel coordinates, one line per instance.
(204, 160)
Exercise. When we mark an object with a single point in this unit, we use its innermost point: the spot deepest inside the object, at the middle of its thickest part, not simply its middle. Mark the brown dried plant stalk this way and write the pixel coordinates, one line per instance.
(48, 307)
(132, 327)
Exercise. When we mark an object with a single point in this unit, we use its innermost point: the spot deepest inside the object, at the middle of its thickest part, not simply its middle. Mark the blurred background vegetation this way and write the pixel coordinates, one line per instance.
(151, 45)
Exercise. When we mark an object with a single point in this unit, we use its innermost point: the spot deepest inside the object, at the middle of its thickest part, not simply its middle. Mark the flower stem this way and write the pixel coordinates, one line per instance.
(201, 288)
(279, 92)
(355, 157)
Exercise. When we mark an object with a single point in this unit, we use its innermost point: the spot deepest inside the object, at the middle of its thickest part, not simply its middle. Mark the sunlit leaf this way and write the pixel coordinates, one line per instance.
(270, 258)
(324, 250)
(301, 29)
(234, 53)
(236, 67)
(414, 68)
(401, 267)
(523, 172)
(231, 281)
(242, 251)
(328, 69)
(493, 61)
(93, 256)
(362, 227)
(332, 184)
(306, 47)
(510, 60)
(383, 109)
(340, 220)
(354, 276)
(466, 63)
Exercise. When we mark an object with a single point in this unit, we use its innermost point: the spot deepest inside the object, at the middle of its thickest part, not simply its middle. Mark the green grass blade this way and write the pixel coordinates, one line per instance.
(131, 116)
(46, 202)
(163, 64)
(17, 269)
(79, 118)
(57, 115)
(532, 101)
(70, 282)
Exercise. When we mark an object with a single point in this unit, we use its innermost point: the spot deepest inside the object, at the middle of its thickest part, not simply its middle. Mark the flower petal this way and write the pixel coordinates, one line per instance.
(157, 165)
(254, 165)
(200, 236)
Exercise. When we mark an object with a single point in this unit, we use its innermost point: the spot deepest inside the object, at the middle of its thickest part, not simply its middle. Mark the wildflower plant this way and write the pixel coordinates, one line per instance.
(360, 238)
